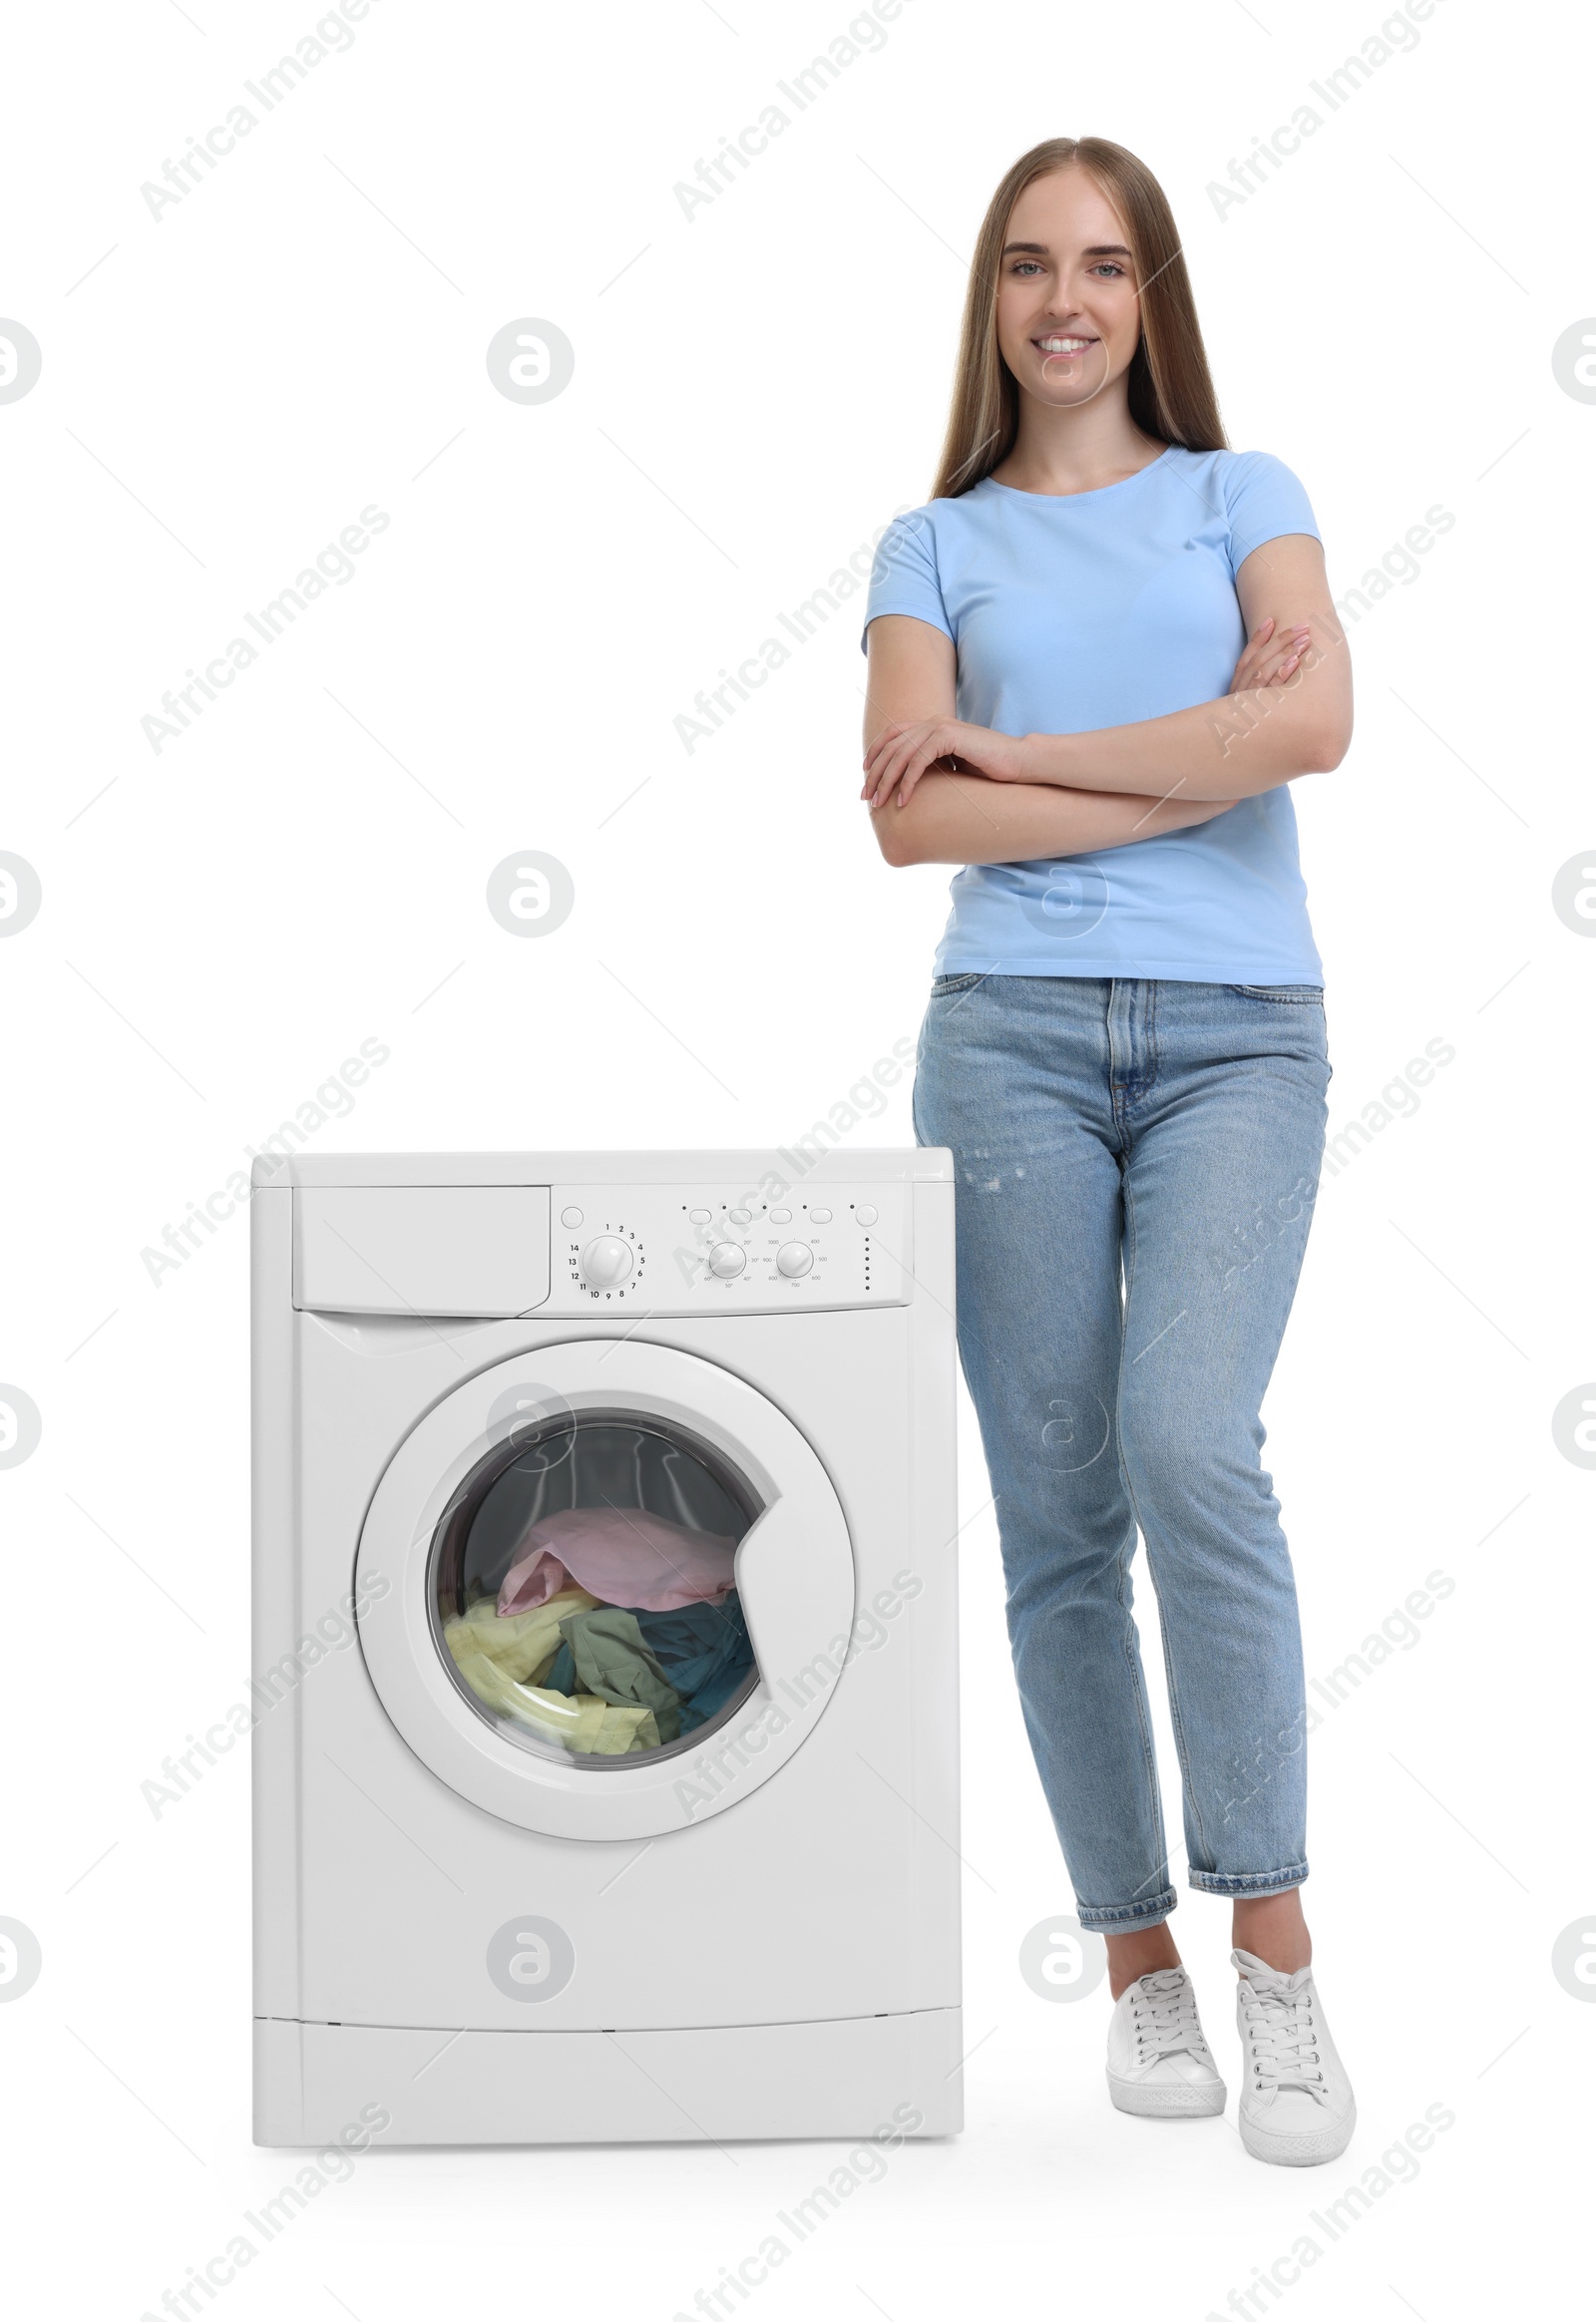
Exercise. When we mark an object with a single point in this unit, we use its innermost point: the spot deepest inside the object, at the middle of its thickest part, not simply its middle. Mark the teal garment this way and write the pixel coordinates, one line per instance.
(603, 1654)
(705, 1652)
(562, 1673)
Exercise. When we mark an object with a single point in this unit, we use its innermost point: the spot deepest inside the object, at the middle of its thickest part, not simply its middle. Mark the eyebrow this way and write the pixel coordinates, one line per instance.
(1096, 250)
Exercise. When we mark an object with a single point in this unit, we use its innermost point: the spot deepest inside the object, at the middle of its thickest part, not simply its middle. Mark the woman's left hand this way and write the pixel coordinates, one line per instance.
(899, 754)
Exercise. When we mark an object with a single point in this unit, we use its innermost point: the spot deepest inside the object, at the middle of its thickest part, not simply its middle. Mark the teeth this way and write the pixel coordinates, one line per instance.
(1063, 346)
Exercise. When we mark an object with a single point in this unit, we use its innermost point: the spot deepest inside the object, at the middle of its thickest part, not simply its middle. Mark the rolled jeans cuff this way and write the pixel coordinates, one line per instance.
(1126, 1918)
(1245, 1883)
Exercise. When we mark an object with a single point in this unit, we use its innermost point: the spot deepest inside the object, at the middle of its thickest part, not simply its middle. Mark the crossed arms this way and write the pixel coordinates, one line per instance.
(943, 791)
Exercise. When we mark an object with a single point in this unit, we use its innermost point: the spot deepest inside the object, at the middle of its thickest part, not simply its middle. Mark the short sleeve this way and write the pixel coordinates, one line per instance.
(903, 576)
(1263, 499)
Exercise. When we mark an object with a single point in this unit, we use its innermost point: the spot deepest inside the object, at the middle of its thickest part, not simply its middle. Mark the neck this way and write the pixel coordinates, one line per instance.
(1076, 450)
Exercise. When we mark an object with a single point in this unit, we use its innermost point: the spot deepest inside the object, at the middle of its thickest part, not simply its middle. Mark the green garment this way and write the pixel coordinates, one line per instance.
(613, 1662)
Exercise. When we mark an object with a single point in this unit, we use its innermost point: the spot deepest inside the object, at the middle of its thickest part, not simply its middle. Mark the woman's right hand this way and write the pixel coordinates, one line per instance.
(1267, 661)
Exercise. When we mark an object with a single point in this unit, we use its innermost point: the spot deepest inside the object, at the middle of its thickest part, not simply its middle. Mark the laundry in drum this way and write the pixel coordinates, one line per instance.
(627, 1556)
(613, 1631)
(704, 1651)
(700, 1654)
(502, 1660)
(603, 1654)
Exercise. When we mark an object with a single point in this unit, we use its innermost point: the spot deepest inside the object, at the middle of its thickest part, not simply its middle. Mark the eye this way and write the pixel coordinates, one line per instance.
(1025, 266)
(1109, 266)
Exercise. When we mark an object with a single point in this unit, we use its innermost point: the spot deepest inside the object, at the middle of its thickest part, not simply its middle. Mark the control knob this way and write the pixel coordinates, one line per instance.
(794, 1259)
(606, 1261)
(727, 1260)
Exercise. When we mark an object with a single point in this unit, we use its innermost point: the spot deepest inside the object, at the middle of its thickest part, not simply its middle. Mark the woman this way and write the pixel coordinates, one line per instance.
(1126, 1050)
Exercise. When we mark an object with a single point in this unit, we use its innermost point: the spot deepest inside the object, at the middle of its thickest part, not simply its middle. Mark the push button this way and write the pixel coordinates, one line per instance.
(821, 1217)
(699, 1217)
(570, 1217)
(865, 1215)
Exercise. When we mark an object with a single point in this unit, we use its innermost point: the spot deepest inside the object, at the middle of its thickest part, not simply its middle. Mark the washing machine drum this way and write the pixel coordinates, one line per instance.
(604, 1589)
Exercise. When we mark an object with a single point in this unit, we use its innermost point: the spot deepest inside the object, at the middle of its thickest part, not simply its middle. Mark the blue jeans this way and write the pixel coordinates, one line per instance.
(1137, 1162)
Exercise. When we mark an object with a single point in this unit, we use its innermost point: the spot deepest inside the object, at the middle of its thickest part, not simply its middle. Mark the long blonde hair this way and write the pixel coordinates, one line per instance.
(1170, 389)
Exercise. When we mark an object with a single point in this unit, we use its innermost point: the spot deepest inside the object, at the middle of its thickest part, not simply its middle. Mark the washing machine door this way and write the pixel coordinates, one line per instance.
(537, 1513)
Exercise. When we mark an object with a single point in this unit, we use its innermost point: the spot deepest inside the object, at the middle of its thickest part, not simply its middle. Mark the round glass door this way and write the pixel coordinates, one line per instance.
(582, 1587)
(607, 1588)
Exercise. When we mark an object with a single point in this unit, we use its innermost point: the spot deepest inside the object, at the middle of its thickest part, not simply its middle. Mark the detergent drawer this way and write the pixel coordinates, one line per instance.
(421, 1249)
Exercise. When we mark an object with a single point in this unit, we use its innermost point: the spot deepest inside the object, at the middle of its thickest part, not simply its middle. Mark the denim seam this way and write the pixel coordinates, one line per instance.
(1245, 1883)
(958, 986)
(1176, 1722)
(1116, 1918)
(1280, 996)
(1132, 1659)
(1149, 1752)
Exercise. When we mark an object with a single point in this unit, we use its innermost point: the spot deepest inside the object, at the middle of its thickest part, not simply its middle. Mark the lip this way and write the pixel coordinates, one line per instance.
(1051, 348)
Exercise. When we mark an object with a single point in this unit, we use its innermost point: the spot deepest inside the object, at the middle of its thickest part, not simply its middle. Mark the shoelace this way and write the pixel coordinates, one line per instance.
(1282, 2035)
(1163, 2014)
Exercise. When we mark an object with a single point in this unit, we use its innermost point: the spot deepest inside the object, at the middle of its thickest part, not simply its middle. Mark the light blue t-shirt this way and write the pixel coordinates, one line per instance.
(1101, 608)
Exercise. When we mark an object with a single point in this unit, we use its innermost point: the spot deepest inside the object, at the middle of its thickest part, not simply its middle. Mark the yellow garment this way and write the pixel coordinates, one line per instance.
(492, 1660)
(525, 1643)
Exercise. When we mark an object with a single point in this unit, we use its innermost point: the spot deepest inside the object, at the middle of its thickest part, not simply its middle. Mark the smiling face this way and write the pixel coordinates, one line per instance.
(1069, 317)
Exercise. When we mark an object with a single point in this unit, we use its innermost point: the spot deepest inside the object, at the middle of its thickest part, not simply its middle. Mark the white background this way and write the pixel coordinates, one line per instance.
(757, 389)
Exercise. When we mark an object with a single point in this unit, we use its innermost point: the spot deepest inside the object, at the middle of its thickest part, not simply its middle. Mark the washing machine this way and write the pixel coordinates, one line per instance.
(539, 1441)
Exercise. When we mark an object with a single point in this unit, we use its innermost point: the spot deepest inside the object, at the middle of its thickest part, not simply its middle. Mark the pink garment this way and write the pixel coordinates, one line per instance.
(623, 1556)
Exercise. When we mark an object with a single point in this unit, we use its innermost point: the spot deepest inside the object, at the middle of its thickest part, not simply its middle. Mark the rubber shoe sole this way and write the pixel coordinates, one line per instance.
(1306, 2149)
(1163, 2103)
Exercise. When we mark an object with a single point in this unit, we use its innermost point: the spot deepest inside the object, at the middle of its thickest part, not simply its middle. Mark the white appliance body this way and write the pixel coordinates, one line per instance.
(751, 1934)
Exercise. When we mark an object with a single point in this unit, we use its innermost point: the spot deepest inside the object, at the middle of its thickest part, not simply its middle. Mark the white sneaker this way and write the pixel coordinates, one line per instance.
(1158, 2059)
(1296, 2100)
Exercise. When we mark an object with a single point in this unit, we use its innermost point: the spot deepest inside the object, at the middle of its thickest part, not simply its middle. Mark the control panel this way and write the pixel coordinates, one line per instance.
(716, 1249)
